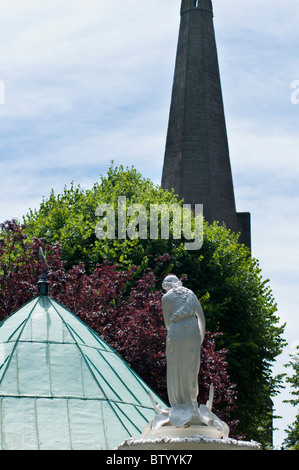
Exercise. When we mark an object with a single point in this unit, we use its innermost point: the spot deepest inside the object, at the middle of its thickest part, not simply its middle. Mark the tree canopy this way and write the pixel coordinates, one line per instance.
(71, 219)
(236, 299)
(292, 439)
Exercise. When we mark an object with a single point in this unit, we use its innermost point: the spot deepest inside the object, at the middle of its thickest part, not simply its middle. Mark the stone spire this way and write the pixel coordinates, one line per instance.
(197, 163)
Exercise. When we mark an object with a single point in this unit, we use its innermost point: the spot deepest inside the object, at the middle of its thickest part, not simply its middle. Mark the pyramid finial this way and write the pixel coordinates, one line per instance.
(43, 283)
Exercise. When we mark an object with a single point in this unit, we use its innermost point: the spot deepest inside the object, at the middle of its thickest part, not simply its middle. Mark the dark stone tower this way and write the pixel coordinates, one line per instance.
(197, 163)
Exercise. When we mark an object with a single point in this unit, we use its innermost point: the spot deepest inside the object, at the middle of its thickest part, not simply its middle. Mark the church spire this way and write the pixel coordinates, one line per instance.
(197, 162)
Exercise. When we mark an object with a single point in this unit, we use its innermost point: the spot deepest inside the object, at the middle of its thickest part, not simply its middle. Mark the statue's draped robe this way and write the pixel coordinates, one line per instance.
(184, 320)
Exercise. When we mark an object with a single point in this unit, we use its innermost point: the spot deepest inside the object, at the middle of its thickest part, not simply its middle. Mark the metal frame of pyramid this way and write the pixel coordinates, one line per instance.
(62, 386)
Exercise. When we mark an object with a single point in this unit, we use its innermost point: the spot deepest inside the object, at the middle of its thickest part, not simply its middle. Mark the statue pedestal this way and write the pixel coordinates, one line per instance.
(185, 425)
(172, 438)
(186, 432)
(160, 434)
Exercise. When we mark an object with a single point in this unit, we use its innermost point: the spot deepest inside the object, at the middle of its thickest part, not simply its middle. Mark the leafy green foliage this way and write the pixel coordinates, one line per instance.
(292, 440)
(239, 303)
(70, 218)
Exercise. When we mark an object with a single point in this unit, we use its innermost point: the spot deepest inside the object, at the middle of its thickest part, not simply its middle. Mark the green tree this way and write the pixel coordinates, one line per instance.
(292, 440)
(70, 218)
(237, 301)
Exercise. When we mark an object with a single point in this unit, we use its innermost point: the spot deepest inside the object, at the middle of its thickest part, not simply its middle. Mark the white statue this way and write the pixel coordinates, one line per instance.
(185, 322)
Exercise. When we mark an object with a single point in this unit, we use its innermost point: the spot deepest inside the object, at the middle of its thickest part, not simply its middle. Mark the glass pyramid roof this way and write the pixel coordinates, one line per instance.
(62, 386)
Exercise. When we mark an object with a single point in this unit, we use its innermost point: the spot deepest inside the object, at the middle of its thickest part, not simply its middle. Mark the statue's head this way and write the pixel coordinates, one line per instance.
(170, 282)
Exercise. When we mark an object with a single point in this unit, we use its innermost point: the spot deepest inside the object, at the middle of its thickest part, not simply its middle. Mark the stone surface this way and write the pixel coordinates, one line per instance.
(189, 431)
(197, 162)
(188, 443)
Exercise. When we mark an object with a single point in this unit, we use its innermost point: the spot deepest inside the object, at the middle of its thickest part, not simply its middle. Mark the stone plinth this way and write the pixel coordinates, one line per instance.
(198, 442)
(194, 437)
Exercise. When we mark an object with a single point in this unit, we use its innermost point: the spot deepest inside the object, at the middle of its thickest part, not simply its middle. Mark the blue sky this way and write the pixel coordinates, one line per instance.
(90, 82)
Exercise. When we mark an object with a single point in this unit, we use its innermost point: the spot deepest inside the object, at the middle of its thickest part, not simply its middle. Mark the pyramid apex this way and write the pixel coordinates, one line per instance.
(43, 283)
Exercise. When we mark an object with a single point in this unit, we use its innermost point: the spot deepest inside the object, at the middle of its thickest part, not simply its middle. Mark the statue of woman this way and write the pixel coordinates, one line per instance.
(185, 322)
